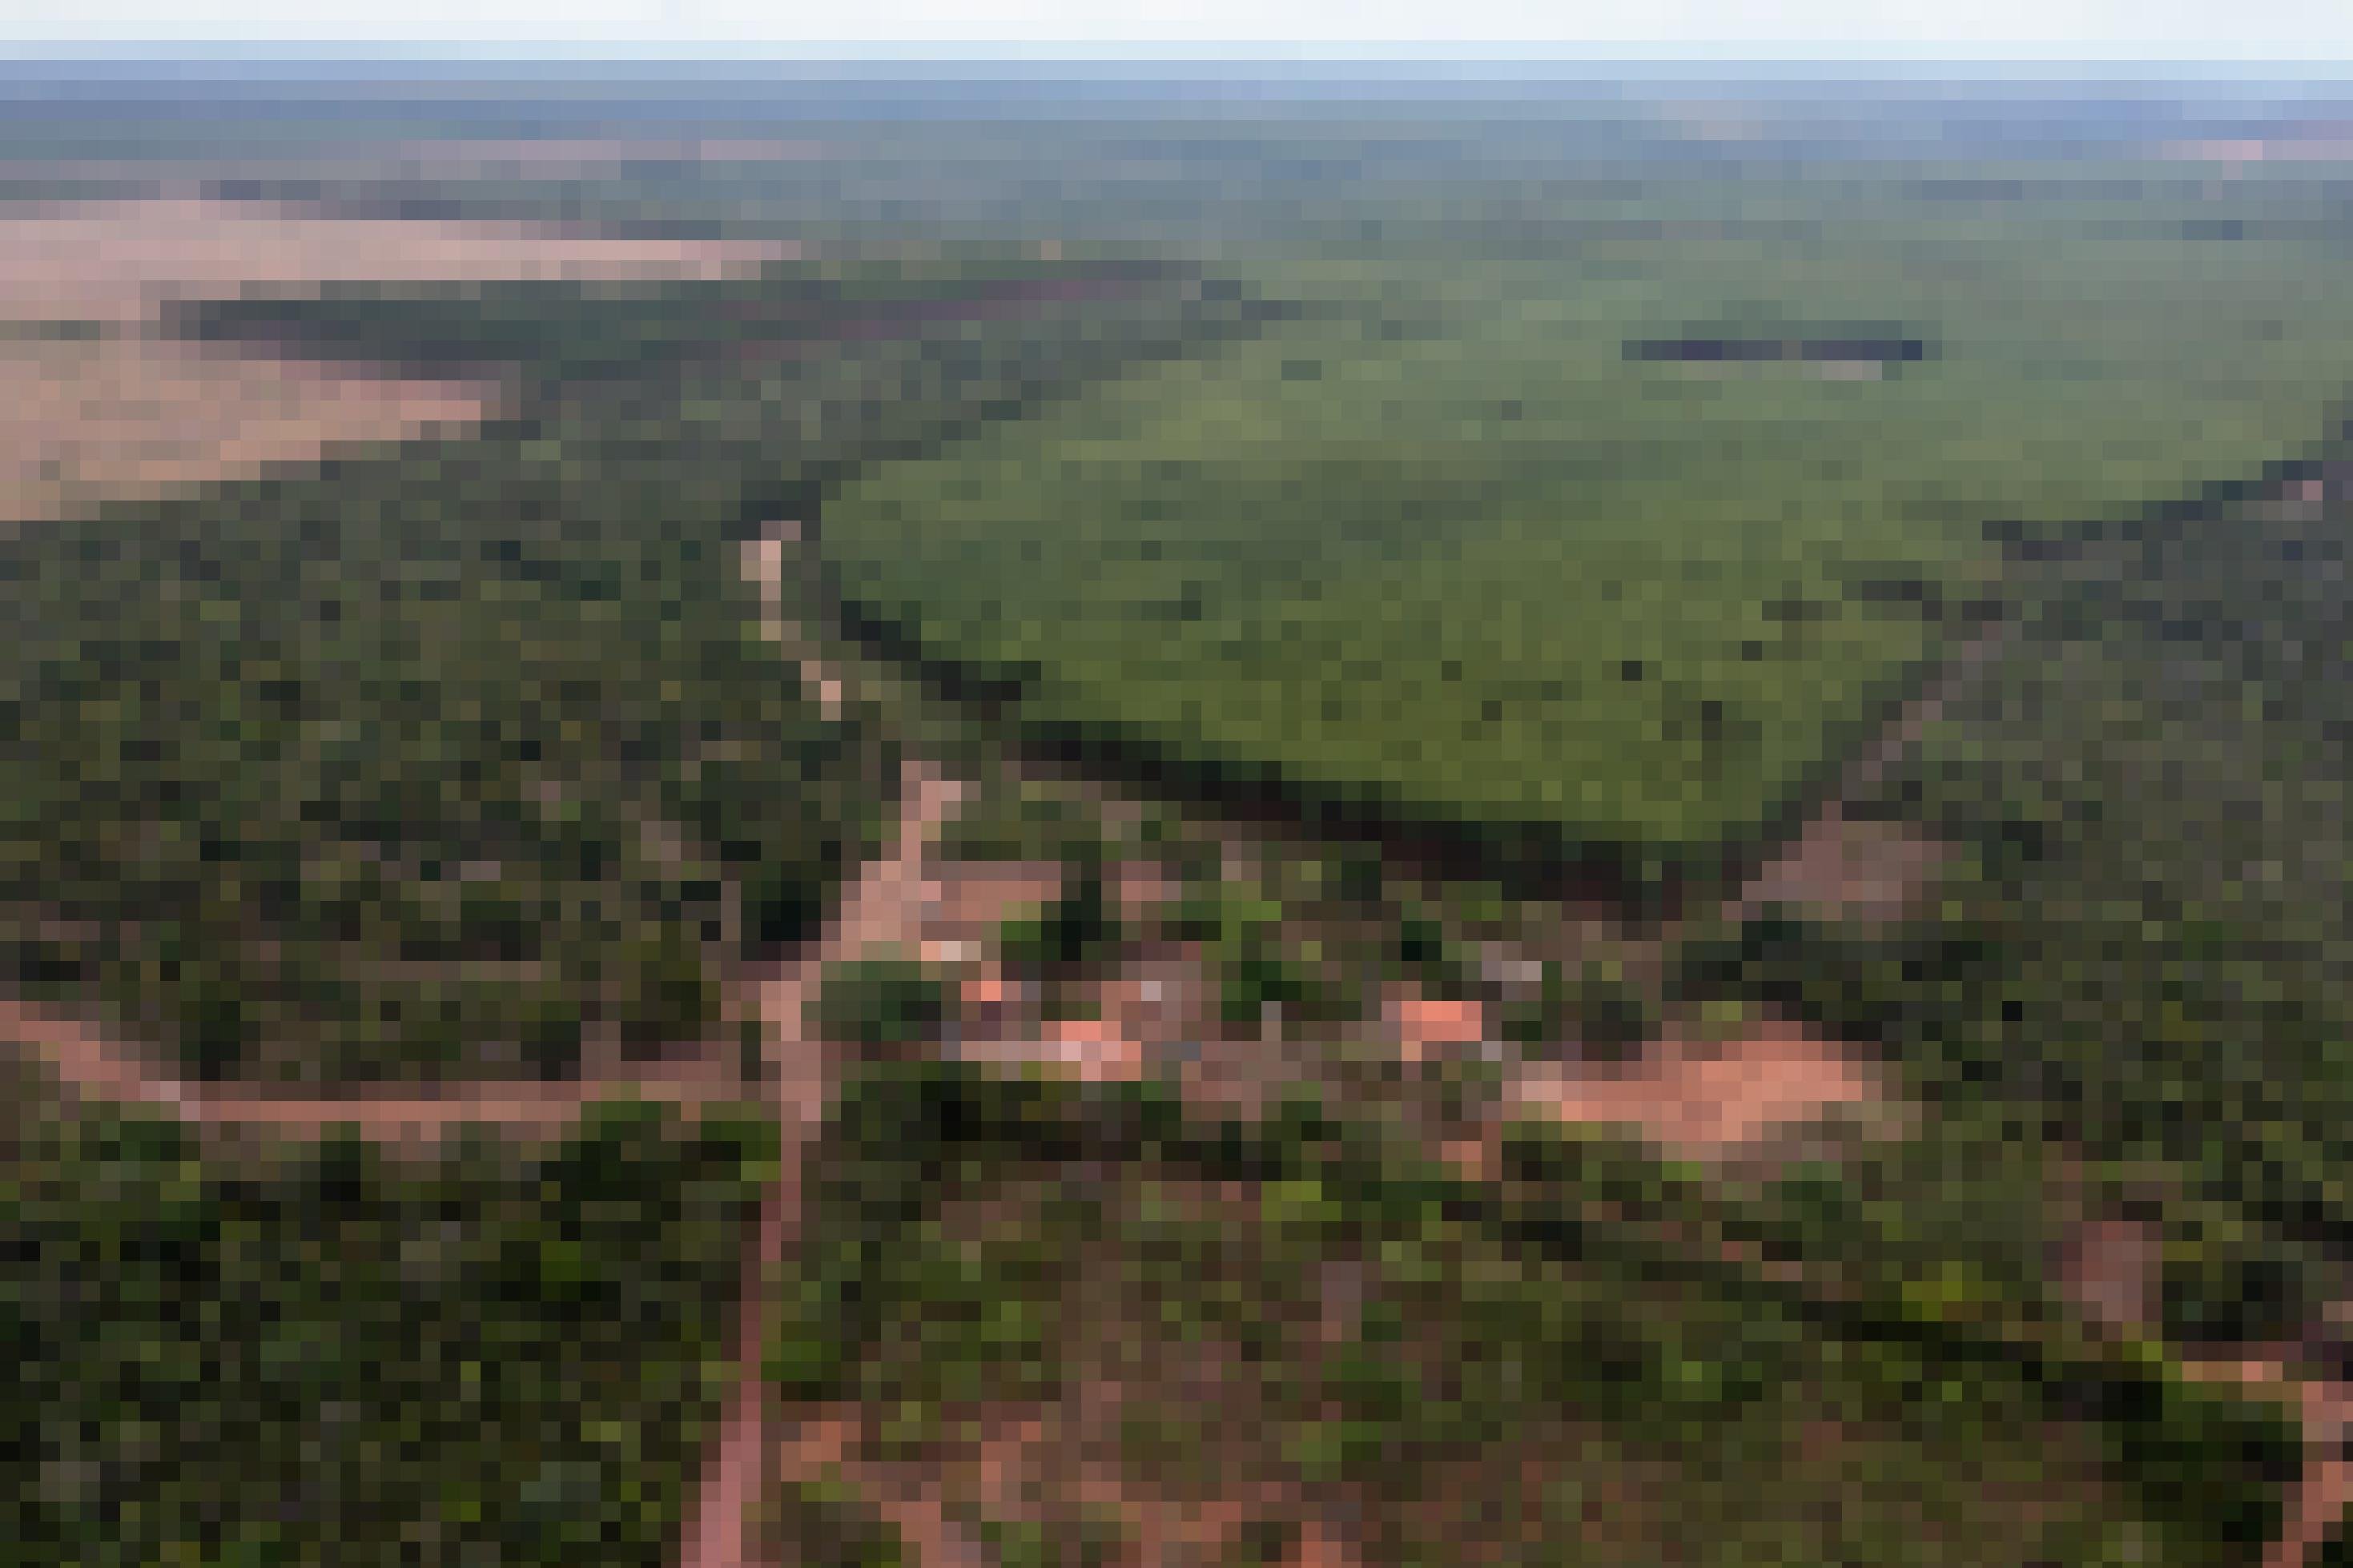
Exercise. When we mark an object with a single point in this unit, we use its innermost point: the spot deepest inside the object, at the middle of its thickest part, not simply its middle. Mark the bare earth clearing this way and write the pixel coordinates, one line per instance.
(1699, 1100)
(127, 414)
(136, 417)
(122, 262)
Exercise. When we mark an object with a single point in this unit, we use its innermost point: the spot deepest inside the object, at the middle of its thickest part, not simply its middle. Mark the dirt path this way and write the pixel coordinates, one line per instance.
(2109, 1270)
(91, 1064)
(884, 908)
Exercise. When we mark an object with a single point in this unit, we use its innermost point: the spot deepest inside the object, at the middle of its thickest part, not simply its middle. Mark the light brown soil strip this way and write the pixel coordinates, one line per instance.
(122, 261)
(1710, 1102)
(2108, 1271)
(1872, 871)
(91, 1065)
(135, 417)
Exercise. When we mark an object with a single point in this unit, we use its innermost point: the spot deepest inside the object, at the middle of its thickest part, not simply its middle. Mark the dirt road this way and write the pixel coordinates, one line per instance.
(885, 907)
(91, 1064)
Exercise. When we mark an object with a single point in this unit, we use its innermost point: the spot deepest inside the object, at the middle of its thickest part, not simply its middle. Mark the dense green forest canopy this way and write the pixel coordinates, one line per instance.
(317, 1355)
(430, 761)
(551, 335)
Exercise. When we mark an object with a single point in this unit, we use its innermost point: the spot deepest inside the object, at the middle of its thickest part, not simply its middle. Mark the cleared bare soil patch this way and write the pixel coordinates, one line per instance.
(123, 261)
(1700, 1100)
(133, 417)
(1845, 869)
(117, 413)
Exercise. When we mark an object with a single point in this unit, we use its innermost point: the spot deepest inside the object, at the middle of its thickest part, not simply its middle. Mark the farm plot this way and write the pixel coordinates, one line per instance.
(1465, 547)
(122, 262)
(124, 418)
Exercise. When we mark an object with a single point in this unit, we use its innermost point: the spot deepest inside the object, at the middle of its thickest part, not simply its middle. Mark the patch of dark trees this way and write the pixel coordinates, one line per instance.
(1836, 349)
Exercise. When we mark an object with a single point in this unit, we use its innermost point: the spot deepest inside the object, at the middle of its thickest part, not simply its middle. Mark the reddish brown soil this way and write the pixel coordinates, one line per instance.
(1709, 1101)
(883, 908)
(2107, 1268)
(1429, 1026)
(89, 1065)
(1846, 870)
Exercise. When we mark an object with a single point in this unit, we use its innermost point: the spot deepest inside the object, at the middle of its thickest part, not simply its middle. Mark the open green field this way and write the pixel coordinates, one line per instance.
(1452, 547)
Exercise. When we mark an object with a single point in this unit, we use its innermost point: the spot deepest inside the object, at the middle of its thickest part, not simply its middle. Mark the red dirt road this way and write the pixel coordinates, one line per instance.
(93, 1065)
(884, 908)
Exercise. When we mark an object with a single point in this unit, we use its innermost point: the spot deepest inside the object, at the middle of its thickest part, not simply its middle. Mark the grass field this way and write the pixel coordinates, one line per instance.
(1449, 546)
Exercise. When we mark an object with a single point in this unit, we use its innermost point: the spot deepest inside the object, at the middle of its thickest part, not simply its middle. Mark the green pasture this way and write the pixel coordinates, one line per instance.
(1444, 545)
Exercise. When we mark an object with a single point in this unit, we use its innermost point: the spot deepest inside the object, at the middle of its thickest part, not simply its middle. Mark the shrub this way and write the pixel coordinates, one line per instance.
(818, 1521)
(1077, 929)
(2238, 1287)
(551, 1035)
(1597, 1013)
(672, 995)
(880, 1002)
(1256, 970)
(1426, 953)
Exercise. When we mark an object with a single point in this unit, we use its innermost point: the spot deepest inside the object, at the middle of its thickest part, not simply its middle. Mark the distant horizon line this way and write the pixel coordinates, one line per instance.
(1501, 57)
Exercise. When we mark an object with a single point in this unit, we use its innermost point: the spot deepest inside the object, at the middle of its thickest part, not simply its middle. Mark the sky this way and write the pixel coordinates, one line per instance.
(2299, 32)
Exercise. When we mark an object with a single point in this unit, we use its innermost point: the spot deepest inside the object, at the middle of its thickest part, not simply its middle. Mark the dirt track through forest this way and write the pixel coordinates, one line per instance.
(887, 906)
(884, 908)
